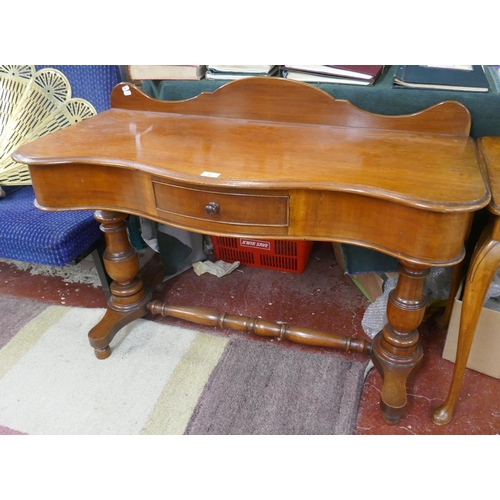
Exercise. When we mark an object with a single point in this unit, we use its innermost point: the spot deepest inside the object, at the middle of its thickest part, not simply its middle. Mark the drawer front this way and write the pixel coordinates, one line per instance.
(227, 208)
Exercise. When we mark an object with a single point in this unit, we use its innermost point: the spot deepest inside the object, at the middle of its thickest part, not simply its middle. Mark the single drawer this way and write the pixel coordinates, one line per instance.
(229, 208)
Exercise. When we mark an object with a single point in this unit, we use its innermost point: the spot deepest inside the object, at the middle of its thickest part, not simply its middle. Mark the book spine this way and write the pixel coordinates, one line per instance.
(494, 73)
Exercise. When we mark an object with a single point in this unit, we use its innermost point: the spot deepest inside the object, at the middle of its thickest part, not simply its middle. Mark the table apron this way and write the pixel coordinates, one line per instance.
(409, 233)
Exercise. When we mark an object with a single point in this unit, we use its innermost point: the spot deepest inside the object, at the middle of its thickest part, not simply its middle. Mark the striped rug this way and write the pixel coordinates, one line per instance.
(163, 380)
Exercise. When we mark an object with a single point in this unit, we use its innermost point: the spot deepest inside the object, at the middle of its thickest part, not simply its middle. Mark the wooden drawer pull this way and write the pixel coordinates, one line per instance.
(212, 208)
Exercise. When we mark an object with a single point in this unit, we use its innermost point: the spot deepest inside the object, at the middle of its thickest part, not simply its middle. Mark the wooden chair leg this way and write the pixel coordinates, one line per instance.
(484, 264)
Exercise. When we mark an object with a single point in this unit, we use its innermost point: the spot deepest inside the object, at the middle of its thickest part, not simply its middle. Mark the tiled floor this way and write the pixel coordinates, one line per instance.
(322, 297)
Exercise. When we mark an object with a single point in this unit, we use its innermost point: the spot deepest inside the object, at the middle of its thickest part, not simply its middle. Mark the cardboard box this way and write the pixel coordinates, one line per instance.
(369, 283)
(360, 260)
(485, 351)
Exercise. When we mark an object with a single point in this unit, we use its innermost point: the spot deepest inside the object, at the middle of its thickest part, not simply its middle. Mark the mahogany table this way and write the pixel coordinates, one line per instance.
(482, 268)
(268, 157)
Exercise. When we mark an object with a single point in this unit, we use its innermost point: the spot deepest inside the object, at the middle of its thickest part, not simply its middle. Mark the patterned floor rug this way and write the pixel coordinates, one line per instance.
(163, 380)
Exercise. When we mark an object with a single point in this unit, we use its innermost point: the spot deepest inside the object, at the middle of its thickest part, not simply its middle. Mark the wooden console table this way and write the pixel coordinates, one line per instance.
(267, 157)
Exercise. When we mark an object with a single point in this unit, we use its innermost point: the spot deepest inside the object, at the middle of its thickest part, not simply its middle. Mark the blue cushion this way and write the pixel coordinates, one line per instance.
(31, 235)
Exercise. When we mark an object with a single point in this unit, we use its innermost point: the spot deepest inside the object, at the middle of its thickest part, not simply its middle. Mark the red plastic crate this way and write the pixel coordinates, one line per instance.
(279, 255)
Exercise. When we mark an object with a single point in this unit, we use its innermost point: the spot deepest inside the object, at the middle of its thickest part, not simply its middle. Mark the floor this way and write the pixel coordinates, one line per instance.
(322, 297)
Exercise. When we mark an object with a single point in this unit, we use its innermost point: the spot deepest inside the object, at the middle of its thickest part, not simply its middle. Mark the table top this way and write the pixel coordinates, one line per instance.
(266, 157)
(437, 171)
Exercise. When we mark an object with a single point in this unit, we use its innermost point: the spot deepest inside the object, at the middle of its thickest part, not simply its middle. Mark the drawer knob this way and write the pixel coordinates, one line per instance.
(212, 208)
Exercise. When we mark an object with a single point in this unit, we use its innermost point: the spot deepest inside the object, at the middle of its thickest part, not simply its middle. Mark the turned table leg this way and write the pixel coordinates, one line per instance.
(128, 299)
(396, 349)
(484, 264)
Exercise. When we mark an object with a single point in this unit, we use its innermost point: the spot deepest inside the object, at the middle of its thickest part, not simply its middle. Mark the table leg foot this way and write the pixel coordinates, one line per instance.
(391, 415)
(443, 414)
(103, 353)
(113, 321)
(395, 371)
(396, 349)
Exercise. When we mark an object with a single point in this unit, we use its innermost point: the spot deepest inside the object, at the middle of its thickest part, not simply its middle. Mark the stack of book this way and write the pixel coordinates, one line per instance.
(466, 78)
(232, 72)
(351, 74)
(167, 72)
